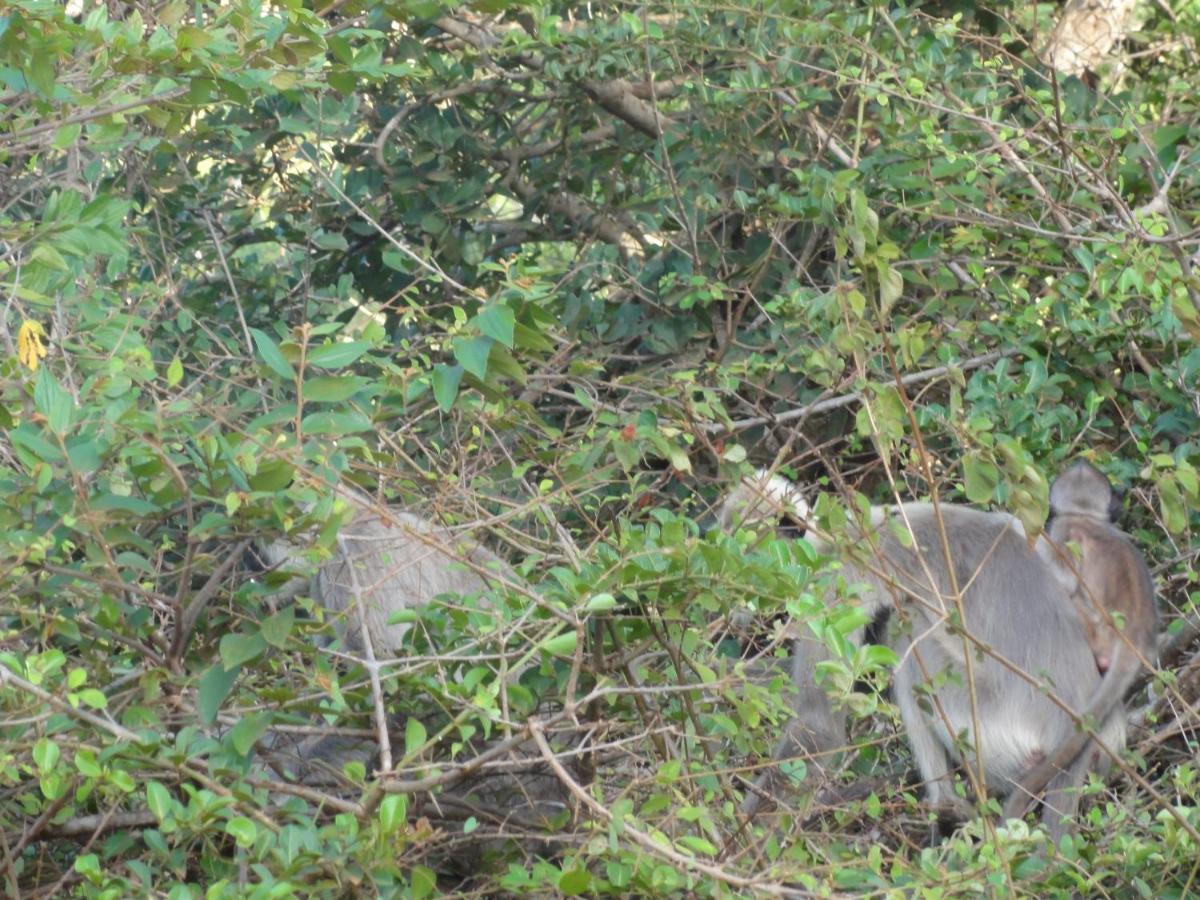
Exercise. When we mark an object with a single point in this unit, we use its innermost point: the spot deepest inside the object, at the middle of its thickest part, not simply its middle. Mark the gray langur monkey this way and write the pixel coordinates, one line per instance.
(1113, 594)
(813, 732)
(388, 560)
(973, 599)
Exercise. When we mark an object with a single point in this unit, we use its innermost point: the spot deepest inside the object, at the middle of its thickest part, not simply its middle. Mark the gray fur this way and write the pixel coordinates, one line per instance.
(1104, 574)
(1017, 616)
(396, 561)
(814, 733)
(1014, 606)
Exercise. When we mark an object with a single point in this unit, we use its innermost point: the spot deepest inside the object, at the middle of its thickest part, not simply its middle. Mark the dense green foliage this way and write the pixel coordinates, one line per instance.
(561, 272)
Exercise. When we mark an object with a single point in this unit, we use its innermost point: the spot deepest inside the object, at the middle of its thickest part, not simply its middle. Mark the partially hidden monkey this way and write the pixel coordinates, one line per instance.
(1113, 594)
(970, 598)
(813, 732)
(390, 560)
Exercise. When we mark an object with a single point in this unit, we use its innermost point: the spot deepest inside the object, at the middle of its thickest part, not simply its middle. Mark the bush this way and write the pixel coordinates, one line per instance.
(554, 275)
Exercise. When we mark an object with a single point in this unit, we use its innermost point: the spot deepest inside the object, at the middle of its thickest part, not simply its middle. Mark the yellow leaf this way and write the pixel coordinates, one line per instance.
(30, 349)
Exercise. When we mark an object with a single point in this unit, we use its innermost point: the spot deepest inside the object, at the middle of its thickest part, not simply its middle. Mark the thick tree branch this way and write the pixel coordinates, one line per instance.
(617, 96)
(576, 211)
(853, 397)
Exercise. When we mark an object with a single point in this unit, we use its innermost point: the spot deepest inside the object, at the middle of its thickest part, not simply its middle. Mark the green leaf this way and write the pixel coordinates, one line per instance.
(159, 800)
(93, 698)
(698, 844)
(1170, 502)
(891, 286)
(628, 453)
(1188, 479)
(497, 321)
(980, 478)
(795, 770)
(134, 505)
(1029, 509)
(174, 372)
(414, 736)
(423, 882)
(246, 732)
(52, 401)
(242, 830)
(392, 812)
(1169, 134)
(881, 415)
(41, 73)
(53, 785)
(272, 475)
(327, 240)
(241, 648)
(400, 262)
(334, 356)
(50, 257)
(336, 423)
(574, 882)
(445, 385)
(734, 453)
(277, 628)
(344, 83)
(212, 690)
(561, 644)
(192, 38)
(87, 765)
(67, 135)
(87, 865)
(332, 388)
(527, 338)
(25, 437)
(601, 603)
(679, 458)
(1188, 315)
(269, 351)
(404, 617)
(473, 355)
(501, 363)
(46, 754)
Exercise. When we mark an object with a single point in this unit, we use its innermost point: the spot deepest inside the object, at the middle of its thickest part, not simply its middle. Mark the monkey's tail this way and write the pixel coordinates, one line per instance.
(1105, 701)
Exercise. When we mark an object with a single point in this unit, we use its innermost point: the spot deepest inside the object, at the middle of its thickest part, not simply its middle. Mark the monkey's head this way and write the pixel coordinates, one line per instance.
(765, 499)
(1083, 490)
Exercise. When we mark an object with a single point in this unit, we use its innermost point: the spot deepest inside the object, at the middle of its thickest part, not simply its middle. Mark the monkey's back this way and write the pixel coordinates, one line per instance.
(1014, 599)
(397, 561)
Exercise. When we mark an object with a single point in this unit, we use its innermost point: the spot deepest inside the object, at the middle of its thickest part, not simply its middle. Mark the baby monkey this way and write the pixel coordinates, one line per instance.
(1105, 576)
